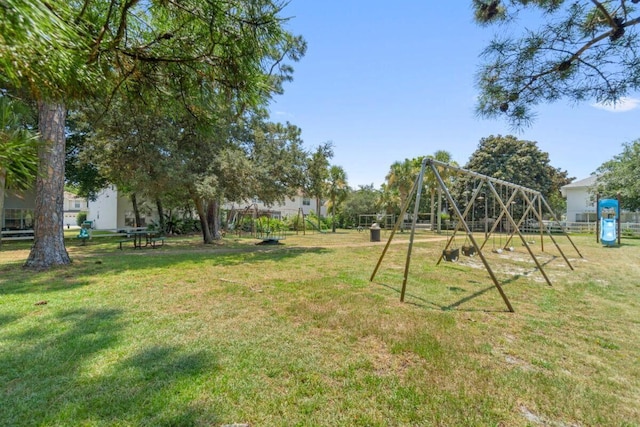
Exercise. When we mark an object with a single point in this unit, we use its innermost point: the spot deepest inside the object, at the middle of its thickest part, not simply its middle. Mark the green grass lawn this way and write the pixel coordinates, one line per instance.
(295, 334)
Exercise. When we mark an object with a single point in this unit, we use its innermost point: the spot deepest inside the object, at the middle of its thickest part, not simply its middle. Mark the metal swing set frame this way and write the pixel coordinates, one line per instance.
(535, 207)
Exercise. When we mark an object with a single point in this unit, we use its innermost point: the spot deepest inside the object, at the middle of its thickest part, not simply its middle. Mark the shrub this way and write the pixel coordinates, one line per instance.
(82, 217)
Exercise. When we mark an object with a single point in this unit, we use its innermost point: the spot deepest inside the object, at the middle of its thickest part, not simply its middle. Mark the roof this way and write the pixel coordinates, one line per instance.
(582, 183)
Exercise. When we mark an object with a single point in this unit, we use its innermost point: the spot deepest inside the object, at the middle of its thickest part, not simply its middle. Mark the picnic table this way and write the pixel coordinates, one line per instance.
(143, 238)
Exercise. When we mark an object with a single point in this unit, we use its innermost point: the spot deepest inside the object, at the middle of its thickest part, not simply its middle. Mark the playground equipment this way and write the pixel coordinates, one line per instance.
(608, 224)
(313, 225)
(303, 223)
(367, 220)
(85, 232)
(257, 224)
(505, 197)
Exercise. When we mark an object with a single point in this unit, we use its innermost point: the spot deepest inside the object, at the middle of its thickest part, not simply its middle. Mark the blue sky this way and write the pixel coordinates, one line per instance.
(385, 81)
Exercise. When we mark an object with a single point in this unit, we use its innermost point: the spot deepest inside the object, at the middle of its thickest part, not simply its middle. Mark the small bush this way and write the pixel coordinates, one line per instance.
(82, 217)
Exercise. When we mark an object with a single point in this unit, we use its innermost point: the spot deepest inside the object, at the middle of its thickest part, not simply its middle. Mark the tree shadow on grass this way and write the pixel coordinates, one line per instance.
(147, 388)
(16, 280)
(74, 368)
(20, 281)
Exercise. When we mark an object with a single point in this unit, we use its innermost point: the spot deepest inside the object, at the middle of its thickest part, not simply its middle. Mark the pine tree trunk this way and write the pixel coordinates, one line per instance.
(48, 248)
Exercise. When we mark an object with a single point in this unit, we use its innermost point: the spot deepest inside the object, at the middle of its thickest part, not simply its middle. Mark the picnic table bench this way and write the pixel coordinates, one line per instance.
(120, 242)
(156, 240)
(142, 239)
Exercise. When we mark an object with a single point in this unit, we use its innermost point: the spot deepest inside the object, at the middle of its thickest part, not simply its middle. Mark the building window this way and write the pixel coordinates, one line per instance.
(76, 204)
(18, 219)
(306, 201)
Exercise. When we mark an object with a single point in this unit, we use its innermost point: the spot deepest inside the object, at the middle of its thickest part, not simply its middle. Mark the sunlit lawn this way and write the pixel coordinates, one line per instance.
(295, 334)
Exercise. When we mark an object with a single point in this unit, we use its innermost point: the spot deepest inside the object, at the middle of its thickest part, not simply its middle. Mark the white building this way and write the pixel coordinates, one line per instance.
(291, 206)
(73, 205)
(112, 211)
(19, 207)
(581, 202)
(18, 210)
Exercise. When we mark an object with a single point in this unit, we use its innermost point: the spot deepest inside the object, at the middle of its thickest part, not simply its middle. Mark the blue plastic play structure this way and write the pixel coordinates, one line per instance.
(608, 215)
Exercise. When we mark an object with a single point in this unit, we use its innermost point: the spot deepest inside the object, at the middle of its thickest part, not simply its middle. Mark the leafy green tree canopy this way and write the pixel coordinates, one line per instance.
(582, 50)
(186, 52)
(362, 201)
(517, 161)
(81, 174)
(622, 175)
(402, 176)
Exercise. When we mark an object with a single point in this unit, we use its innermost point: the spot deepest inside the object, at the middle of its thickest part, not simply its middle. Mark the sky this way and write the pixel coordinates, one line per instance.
(388, 81)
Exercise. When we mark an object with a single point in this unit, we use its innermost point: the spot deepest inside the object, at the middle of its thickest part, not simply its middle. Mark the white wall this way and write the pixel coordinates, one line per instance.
(104, 210)
(578, 202)
(109, 210)
(73, 205)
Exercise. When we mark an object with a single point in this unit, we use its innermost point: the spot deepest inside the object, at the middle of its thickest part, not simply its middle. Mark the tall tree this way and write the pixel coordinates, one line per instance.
(582, 50)
(267, 161)
(64, 51)
(399, 181)
(622, 175)
(363, 201)
(318, 174)
(39, 56)
(519, 162)
(338, 190)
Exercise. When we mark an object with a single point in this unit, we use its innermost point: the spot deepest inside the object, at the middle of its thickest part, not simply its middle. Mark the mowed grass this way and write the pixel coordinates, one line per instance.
(296, 334)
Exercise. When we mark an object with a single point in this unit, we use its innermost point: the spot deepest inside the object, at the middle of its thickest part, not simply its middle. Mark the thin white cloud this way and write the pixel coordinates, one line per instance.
(623, 104)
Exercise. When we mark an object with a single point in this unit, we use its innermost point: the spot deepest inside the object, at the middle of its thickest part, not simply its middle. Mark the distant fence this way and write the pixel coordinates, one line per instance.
(626, 228)
(8, 235)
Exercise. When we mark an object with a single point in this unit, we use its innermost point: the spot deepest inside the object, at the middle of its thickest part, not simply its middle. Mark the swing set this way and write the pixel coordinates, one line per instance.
(255, 223)
(516, 212)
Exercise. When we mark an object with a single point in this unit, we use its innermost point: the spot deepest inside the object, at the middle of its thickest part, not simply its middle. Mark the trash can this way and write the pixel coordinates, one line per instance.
(374, 232)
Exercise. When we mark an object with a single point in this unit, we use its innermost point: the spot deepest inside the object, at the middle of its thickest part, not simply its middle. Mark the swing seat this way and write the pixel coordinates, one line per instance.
(451, 254)
(468, 250)
(498, 250)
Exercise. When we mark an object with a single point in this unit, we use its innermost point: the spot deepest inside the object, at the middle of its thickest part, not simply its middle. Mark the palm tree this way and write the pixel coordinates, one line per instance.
(388, 199)
(337, 190)
(400, 180)
(18, 154)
